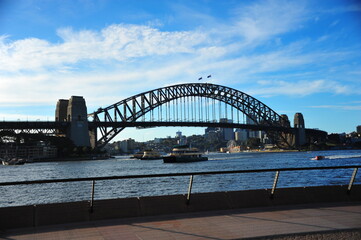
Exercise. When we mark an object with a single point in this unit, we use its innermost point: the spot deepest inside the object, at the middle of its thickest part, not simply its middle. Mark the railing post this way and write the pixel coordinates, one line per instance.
(274, 184)
(92, 196)
(352, 180)
(189, 189)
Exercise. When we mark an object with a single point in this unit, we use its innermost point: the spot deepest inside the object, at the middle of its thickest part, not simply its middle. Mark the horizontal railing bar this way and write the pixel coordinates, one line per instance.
(171, 175)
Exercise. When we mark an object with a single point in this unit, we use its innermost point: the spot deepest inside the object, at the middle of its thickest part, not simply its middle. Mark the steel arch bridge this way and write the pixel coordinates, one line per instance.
(191, 104)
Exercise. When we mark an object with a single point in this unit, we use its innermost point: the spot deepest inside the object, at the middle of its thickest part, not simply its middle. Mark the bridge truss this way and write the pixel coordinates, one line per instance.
(35, 127)
(187, 103)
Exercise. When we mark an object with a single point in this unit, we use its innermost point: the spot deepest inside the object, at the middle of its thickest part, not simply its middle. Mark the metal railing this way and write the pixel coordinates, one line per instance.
(191, 174)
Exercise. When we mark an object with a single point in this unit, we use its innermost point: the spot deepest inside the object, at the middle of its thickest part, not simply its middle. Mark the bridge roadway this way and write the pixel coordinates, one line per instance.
(308, 221)
(22, 125)
(54, 127)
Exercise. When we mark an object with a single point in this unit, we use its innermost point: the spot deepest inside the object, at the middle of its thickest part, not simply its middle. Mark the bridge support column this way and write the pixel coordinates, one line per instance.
(61, 113)
(300, 133)
(287, 139)
(74, 111)
(93, 137)
(77, 116)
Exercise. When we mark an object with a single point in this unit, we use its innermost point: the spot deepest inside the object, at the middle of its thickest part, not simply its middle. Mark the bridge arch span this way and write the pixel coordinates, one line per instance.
(134, 107)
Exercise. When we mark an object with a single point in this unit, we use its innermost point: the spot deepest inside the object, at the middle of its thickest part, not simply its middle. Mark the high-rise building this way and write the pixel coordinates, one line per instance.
(251, 133)
(182, 140)
(227, 133)
(211, 134)
(241, 135)
(127, 145)
(210, 130)
(358, 129)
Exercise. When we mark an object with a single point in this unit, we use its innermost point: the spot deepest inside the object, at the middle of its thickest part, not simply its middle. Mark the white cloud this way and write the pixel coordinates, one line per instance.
(122, 59)
(266, 19)
(124, 42)
(299, 89)
(343, 9)
(341, 107)
(116, 42)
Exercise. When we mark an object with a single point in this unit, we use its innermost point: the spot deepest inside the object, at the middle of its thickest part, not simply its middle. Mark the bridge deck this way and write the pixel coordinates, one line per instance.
(316, 221)
(119, 124)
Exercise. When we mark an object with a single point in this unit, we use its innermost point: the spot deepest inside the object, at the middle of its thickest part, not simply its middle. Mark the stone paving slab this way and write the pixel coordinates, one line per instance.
(322, 221)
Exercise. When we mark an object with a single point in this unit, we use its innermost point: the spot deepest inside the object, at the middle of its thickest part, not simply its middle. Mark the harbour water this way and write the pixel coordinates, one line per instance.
(124, 165)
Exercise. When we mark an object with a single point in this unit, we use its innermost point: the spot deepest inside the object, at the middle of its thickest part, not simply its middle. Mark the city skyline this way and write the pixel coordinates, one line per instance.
(294, 56)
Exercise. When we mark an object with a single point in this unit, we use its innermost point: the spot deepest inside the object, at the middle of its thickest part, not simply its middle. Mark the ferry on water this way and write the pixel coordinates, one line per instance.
(148, 154)
(151, 155)
(184, 154)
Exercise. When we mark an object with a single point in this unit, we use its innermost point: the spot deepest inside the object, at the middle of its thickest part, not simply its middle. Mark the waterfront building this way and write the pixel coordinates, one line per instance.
(39, 151)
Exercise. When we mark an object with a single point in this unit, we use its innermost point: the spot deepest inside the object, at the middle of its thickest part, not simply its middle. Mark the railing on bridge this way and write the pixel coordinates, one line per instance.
(191, 174)
(34, 127)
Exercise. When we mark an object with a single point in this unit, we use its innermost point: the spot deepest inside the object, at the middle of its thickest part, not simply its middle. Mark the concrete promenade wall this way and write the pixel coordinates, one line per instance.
(57, 213)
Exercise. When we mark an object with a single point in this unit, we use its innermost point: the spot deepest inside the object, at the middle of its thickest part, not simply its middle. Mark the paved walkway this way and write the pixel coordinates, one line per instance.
(337, 221)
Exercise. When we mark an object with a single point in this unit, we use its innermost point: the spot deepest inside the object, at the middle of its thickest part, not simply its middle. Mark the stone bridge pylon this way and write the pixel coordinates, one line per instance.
(74, 111)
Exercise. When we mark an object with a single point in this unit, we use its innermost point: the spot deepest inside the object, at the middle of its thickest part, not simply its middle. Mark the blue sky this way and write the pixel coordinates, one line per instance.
(294, 56)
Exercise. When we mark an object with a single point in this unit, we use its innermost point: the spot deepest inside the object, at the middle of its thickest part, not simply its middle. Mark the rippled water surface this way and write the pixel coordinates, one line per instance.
(123, 165)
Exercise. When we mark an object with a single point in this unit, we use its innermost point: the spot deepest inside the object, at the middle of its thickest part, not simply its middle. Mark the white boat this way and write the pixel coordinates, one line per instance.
(183, 154)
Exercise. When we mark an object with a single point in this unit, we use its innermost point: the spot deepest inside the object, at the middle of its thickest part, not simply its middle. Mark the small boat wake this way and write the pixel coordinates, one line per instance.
(335, 157)
(342, 156)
